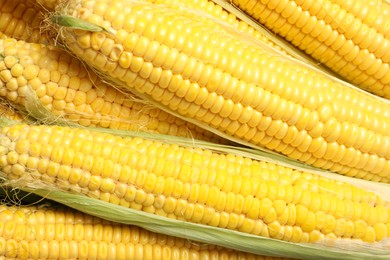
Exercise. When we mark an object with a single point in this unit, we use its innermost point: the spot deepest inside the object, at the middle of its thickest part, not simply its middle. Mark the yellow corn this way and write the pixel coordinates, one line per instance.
(66, 88)
(195, 185)
(51, 232)
(201, 70)
(218, 12)
(351, 38)
(22, 19)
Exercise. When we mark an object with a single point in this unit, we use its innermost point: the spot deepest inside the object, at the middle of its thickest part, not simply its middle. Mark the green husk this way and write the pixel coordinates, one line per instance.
(76, 23)
(69, 21)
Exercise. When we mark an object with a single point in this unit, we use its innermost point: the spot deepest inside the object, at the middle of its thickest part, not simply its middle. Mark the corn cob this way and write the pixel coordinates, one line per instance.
(34, 75)
(199, 70)
(245, 26)
(54, 232)
(195, 185)
(352, 38)
(22, 20)
(218, 12)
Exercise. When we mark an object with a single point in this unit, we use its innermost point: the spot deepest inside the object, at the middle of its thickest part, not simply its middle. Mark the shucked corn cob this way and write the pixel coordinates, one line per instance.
(206, 72)
(195, 185)
(49, 232)
(351, 38)
(35, 75)
(23, 20)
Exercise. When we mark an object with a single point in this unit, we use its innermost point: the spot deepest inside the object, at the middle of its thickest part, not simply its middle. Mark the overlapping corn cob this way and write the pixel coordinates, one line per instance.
(351, 38)
(54, 232)
(195, 185)
(68, 92)
(205, 72)
(203, 69)
(41, 77)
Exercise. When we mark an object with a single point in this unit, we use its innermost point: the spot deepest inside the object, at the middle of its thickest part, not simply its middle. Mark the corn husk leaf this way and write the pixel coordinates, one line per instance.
(69, 21)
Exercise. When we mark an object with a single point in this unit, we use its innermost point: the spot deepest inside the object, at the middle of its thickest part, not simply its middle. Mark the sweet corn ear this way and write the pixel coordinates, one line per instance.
(217, 12)
(57, 232)
(196, 185)
(205, 72)
(352, 38)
